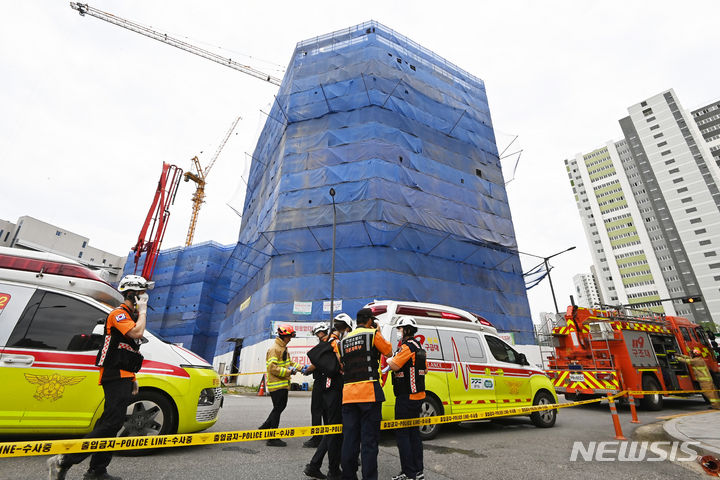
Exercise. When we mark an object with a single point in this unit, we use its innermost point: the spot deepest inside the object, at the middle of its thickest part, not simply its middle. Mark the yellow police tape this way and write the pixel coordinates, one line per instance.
(53, 447)
(667, 392)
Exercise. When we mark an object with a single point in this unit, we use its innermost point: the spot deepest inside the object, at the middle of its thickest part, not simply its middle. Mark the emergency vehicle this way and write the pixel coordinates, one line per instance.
(469, 368)
(52, 314)
(597, 352)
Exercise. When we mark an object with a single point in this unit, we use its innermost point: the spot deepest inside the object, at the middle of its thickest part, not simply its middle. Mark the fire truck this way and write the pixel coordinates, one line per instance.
(597, 352)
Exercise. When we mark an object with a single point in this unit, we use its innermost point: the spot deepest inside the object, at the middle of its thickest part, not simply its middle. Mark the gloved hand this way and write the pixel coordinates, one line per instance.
(385, 370)
(141, 303)
(293, 370)
(304, 370)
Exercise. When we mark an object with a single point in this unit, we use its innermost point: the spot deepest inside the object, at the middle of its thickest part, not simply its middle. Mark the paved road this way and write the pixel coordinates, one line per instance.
(507, 448)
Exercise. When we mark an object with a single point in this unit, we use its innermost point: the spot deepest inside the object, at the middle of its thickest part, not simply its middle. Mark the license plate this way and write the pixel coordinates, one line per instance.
(577, 377)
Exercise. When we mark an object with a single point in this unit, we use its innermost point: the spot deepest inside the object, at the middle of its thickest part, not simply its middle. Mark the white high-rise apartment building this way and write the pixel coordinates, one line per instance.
(707, 119)
(586, 291)
(650, 207)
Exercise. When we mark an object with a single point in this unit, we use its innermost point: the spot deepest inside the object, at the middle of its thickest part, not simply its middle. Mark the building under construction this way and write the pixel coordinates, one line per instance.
(405, 140)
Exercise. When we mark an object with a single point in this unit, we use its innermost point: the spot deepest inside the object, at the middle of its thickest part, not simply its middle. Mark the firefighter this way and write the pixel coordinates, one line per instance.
(360, 352)
(702, 376)
(321, 330)
(279, 370)
(330, 386)
(124, 328)
(408, 380)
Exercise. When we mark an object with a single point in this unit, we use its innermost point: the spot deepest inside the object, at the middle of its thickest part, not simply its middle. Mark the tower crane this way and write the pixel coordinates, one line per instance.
(198, 176)
(85, 9)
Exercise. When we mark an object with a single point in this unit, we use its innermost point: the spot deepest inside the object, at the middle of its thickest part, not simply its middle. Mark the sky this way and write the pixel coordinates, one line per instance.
(91, 110)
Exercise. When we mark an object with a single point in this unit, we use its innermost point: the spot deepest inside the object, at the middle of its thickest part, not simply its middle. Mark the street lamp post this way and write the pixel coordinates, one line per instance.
(547, 269)
(332, 263)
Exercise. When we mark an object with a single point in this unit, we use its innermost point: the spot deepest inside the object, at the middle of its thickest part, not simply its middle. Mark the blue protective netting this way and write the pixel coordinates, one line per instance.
(406, 140)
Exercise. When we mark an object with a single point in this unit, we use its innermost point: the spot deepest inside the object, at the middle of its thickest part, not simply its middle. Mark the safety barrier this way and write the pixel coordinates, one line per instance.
(53, 447)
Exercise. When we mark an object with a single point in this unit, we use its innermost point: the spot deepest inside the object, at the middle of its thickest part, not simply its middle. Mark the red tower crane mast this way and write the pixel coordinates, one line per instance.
(153, 230)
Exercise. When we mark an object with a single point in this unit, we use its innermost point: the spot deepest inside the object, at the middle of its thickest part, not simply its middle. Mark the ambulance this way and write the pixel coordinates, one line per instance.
(52, 313)
(469, 367)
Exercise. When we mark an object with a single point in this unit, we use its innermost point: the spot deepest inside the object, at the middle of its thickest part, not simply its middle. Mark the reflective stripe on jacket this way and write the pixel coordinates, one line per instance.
(279, 366)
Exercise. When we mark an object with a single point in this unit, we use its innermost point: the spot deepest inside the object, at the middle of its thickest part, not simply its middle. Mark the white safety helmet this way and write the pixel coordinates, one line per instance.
(345, 318)
(405, 321)
(321, 327)
(135, 283)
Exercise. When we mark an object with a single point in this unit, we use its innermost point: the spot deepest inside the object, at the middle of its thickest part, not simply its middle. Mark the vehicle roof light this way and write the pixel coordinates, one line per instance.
(483, 321)
(429, 312)
(49, 267)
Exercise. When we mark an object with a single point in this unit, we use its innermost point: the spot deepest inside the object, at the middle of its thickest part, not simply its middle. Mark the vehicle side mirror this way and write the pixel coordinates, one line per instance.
(522, 359)
(143, 340)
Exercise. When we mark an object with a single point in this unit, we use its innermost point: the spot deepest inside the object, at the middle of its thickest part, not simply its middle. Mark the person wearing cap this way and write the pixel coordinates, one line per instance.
(280, 368)
(360, 352)
(408, 380)
(702, 375)
(330, 387)
(124, 328)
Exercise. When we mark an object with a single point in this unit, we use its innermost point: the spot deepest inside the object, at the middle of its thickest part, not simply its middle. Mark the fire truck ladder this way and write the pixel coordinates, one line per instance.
(603, 359)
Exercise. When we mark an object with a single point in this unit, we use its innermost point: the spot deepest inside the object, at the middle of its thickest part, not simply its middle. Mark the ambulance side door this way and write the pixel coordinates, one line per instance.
(512, 380)
(49, 364)
(13, 299)
(470, 383)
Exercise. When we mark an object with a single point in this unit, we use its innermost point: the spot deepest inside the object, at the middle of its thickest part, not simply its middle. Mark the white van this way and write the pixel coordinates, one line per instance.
(470, 368)
(52, 312)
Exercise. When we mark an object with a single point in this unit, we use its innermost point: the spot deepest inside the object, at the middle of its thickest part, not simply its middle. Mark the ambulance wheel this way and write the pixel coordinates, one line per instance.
(544, 418)
(430, 407)
(652, 402)
(150, 413)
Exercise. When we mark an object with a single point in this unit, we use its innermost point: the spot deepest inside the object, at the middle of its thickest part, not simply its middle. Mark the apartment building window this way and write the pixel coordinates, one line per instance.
(661, 144)
(668, 162)
(710, 254)
(682, 190)
(658, 135)
(674, 170)
(650, 119)
(647, 111)
(80, 255)
(700, 232)
(686, 200)
(84, 244)
(654, 127)
(665, 152)
(691, 209)
(714, 265)
(678, 180)
(705, 242)
(58, 233)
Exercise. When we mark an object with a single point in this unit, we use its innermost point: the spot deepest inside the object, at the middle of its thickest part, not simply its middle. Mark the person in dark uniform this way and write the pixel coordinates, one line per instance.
(409, 369)
(124, 328)
(321, 330)
(362, 399)
(330, 386)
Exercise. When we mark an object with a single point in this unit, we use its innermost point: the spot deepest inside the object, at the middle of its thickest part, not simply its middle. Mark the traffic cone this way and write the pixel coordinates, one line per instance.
(633, 410)
(261, 389)
(616, 420)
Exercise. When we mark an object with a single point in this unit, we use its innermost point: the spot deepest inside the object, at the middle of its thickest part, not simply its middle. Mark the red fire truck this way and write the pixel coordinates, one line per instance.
(597, 352)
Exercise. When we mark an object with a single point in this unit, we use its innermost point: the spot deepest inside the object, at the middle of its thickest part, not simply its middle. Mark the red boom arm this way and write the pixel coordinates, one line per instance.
(156, 220)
